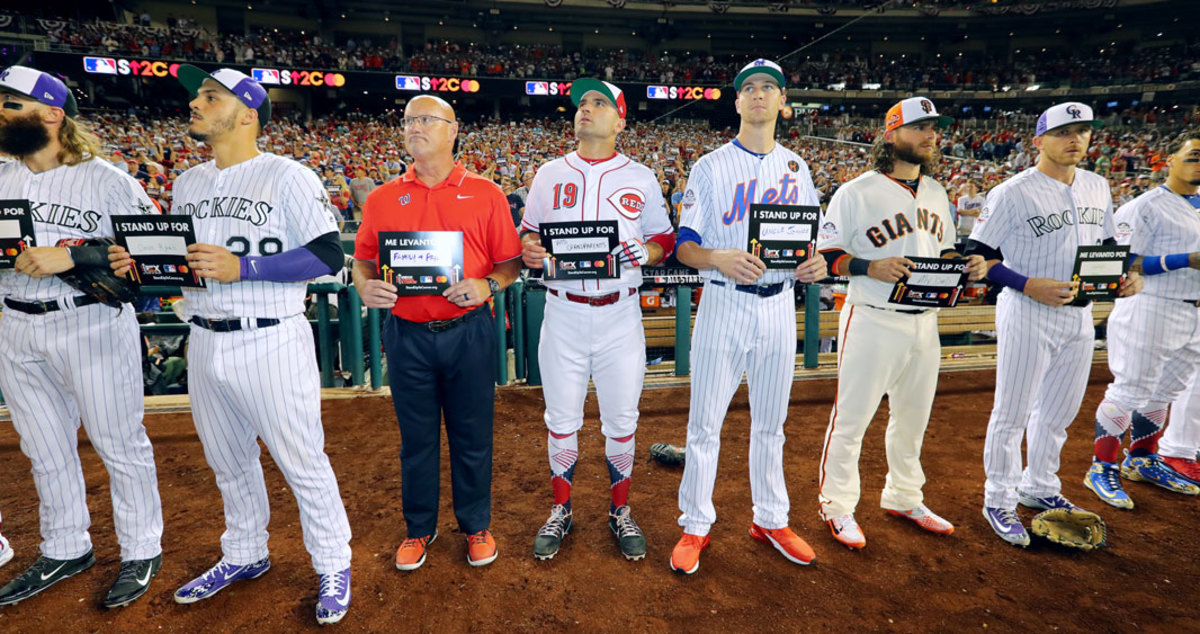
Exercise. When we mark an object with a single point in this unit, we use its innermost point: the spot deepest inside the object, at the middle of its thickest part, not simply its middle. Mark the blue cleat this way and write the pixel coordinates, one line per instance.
(1151, 469)
(217, 578)
(1104, 479)
(333, 599)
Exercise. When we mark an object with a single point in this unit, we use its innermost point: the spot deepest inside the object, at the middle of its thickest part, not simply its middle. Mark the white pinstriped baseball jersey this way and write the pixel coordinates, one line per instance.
(570, 189)
(1038, 222)
(67, 202)
(887, 220)
(1161, 222)
(263, 206)
(725, 182)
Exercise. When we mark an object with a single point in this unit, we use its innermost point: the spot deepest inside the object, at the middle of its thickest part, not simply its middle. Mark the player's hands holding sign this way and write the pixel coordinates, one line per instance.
(43, 261)
(738, 265)
(1051, 292)
(1131, 284)
(631, 253)
(377, 294)
(811, 270)
(890, 269)
(467, 293)
(977, 267)
(120, 260)
(214, 262)
(532, 251)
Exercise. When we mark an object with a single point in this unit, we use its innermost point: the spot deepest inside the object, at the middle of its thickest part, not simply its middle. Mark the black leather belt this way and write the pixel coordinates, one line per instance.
(1191, 302)
(230, 325)
(769, 290)
(906, 311)
(447, 324)
(593, 300)
(41, 308)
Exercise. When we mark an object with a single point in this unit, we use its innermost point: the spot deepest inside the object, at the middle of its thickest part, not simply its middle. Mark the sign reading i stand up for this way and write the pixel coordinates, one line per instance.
(158, 245)
(782, 236)
(580, 250)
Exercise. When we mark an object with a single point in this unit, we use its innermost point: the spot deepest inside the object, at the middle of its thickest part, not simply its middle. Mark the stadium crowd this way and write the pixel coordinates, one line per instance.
(1115, 65)
(355, 153)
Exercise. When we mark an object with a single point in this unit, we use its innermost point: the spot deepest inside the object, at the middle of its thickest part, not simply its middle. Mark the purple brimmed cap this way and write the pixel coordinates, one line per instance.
(240, 84)
(39, 86)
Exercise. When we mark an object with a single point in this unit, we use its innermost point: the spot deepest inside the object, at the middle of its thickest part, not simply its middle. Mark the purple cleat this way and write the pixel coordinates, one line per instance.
(333, 598)
(217, 577)
(1007, 525)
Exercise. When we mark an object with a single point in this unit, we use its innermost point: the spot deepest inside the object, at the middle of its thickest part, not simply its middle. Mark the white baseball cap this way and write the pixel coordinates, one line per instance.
(912, 110)
(764, 66)
(1065, 114)
(39, 86)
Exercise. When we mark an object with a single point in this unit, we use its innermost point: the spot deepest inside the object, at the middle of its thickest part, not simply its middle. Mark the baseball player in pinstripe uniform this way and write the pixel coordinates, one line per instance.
(1154, 336)
(593, 328)
(264, 226)
(65, 357)
(873, 225)
(1029, 231)
(746, 323)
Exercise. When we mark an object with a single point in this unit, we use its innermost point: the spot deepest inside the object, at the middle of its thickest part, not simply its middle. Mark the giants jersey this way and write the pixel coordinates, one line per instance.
(876, 217)
(263, 206)
(569, 189)
(67, 202)
(1160, 222)
(722, 186)
(1038, 222)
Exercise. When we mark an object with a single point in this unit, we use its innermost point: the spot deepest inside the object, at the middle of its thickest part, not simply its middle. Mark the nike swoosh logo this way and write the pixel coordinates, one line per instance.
(144, 580)
(1104, 493)
(346, 601)
(254, 265)
(461, 197)
(52, 572)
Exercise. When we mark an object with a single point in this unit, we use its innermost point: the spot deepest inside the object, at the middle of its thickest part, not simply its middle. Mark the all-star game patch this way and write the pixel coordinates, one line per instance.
(794, 166)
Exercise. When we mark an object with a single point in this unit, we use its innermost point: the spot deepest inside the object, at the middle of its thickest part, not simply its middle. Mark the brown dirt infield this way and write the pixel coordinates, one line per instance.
(905, 580)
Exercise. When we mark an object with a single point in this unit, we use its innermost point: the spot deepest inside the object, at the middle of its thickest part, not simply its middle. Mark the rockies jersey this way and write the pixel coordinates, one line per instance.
(67, 202)
(569, 189)
(876, 217)
(263, 206)
(1038, 222)
(722, 186)
(1160, 222)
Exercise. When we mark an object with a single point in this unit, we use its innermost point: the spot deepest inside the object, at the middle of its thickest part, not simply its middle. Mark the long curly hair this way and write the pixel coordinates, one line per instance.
(78, 143)
(883, 158)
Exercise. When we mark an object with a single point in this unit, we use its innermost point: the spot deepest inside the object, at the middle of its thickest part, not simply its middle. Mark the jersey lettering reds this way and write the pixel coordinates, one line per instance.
(1161, 222)
(725, 182)
(263, 206)
(876, 217)
(1038, 222)
(569, 189)
(67, 202)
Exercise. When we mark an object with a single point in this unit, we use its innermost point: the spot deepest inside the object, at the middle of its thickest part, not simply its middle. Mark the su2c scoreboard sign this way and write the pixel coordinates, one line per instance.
(159, 68)
(419, 83)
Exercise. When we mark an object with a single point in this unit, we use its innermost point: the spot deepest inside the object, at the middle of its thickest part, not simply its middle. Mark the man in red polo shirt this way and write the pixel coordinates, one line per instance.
(441, 348)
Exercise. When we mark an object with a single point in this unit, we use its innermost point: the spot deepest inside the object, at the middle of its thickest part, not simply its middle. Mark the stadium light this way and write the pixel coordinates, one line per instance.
(1032, 87)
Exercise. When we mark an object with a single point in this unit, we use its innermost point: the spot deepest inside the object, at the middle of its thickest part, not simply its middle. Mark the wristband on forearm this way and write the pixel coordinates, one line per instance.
(1001, 274)
(294, 265)
(858, 266)
(94, 257)
(1158, 264)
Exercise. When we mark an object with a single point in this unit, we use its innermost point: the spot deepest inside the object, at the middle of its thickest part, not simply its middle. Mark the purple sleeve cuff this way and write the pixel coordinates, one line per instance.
(295, 265)
(1001, 274)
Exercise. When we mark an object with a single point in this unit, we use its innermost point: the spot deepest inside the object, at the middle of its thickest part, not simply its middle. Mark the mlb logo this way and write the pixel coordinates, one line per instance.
(787, 253)
(168, 268)
(408, 82)
(100, 65)
(265, 75)
(427, 279)
(586, 264)
(657, 92)
(537, 88)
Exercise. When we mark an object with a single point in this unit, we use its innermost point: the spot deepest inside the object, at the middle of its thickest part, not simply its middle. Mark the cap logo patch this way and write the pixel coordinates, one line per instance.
(926, 106)
(1074, 112)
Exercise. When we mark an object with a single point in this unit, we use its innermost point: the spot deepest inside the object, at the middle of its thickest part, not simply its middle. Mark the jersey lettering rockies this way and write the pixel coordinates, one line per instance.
(569, 189)
(67, 202)
(875, 216)
(263, 206)
(1160, 222)
(725, 182)
(1038, 222)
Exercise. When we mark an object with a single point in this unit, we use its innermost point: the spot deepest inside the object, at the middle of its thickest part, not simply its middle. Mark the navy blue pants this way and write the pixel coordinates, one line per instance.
(448, 373)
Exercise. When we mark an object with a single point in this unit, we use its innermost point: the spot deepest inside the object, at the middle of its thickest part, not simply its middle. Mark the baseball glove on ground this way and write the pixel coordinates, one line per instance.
(99, 281)
(668, 455)
(1073, 528)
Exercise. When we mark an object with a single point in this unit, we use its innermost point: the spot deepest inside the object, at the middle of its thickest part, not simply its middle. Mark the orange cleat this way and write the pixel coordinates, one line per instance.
(785, 541)
(411, 553)
(481, 548)
(686, 556)
(847, 531)
(926, 519)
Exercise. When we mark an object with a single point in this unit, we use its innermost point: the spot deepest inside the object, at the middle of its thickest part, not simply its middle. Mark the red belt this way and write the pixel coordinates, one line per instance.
(593, 300)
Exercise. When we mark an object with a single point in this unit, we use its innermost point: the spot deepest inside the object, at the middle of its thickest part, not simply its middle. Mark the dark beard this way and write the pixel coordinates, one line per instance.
(908, 155)
(23, 136)
(223, 127)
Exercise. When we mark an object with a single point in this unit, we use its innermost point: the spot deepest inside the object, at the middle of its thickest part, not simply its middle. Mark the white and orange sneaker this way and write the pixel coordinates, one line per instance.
(846, 531)
(685, 558)
(926, 519)
(795, 549)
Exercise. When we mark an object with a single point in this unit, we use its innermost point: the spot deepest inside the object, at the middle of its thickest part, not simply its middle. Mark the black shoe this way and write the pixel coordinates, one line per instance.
(550, 537)
(629, 535)
(44, 573)
(132, 581)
